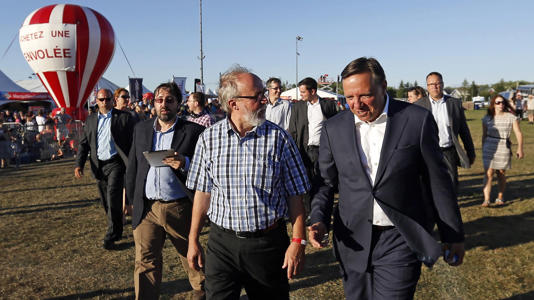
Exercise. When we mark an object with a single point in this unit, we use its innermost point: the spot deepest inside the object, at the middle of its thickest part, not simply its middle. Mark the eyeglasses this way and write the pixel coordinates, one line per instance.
(104, 99)
(125, 97)
(434, 84)
(168, 100)
(258, 97)
(499, 102)
(275, 88)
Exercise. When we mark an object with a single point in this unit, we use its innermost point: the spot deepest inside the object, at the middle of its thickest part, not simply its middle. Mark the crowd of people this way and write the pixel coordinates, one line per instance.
(249, 162)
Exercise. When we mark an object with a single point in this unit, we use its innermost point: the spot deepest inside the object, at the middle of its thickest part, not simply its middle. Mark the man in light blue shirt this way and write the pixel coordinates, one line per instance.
(277, 110)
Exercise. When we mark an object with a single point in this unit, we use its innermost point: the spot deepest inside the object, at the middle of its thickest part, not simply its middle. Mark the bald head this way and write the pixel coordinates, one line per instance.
(104, 100)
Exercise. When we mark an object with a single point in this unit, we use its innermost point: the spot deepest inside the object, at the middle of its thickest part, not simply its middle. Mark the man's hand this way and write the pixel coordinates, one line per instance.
(294, 259)
(194, 255)
(127, 210)
(176, 161)
(454, 249)
(78, 172)
(316, 235)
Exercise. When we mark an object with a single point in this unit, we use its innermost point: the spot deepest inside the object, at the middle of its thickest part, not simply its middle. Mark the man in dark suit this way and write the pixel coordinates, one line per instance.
(305, 123)
(162, 204)
(384, 157)
(107, 136)
(450, 118)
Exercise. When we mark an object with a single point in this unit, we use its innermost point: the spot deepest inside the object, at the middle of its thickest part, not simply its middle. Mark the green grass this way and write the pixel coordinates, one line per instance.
(52, 226)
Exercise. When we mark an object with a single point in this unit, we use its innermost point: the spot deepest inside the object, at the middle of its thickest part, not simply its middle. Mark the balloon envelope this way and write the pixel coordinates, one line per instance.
(69, 47)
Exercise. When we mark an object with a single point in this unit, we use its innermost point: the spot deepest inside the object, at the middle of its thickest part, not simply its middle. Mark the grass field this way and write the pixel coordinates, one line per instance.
(52, 226)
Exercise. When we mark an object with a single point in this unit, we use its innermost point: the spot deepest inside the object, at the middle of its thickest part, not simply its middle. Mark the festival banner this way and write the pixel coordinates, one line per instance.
(136, 89)
(180, 82)
(35, 43)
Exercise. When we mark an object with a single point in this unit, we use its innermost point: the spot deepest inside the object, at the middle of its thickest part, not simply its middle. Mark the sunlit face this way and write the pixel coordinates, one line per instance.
(499, 104)
(191, 103)
(104, 101)
(412, 97)
(305, 94)
(274, 90)
(435, 86)
(122, 100)
(366, 99)
(166, 105)
(252, 111)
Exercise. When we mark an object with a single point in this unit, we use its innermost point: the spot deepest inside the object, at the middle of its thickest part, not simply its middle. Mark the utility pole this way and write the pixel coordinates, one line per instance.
(201, 50)
(298, 38)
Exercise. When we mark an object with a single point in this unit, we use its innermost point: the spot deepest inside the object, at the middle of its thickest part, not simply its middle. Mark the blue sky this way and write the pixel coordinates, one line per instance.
(482, 41)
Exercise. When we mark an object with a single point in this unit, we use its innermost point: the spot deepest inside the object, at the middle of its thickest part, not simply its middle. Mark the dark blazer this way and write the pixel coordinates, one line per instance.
(298, 122)
(121, 133)
(412, 186)
(184, 141)
(458, 127)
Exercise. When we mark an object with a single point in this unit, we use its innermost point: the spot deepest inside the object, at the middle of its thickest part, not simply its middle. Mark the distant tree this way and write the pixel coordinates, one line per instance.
(474, 89)
(415, 83)
(392, 92)
(400, 90)
(500, 86)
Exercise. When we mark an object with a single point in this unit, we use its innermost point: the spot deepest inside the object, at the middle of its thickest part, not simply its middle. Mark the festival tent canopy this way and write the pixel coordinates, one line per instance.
(145, 89)
(290, 95)
(10, 91)
(35, 85)
(211, 94)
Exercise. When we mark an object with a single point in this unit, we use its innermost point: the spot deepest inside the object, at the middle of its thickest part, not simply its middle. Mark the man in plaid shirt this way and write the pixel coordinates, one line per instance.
(197, 110)
(248, 176)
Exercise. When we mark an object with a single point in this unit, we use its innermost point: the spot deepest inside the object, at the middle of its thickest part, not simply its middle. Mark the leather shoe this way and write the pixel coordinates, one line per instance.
(109, 244)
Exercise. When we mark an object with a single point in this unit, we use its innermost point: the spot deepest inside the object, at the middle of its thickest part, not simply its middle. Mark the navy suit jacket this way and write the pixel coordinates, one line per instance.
(184, 141)
(412, 186)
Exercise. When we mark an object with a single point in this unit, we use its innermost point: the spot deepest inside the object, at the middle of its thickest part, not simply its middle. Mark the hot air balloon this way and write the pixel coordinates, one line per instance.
(69, 47)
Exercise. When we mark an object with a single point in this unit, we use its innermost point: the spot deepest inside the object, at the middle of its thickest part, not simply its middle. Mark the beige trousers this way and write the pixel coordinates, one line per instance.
(173, 219)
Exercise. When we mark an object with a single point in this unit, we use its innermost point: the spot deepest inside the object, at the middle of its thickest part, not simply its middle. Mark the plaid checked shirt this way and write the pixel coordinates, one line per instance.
(249, 178)
(203, 119)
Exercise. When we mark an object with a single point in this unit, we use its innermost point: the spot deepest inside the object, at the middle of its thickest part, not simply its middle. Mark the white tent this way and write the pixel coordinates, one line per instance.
(145, 89)
(35, 85)
(290, 94)
(8, 85)
(211, 94)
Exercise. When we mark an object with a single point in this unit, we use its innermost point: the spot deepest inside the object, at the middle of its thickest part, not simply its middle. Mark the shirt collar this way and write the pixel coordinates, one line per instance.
(169, 130)
(316, 103)
(381, 118)
(258, 130)
(277, 102)
(107, 115)
(439, 101)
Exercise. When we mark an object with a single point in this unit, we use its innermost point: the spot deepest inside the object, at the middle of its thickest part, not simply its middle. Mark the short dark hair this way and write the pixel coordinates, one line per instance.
(365, 65)
(273, 79)
(309, 82)
(200, 98)
(436, 74)
(173, 89)
(419, 91)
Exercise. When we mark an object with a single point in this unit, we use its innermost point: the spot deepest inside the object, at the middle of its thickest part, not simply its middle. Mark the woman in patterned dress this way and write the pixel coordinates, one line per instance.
(497, 126)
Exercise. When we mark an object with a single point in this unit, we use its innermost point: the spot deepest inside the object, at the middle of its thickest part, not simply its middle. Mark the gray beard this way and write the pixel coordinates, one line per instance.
(256, 118)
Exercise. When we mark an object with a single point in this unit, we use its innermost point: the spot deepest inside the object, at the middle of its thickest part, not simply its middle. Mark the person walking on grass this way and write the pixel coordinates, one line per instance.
(497, 126)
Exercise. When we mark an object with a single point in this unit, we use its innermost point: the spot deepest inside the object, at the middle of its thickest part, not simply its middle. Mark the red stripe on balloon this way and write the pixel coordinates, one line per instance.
(53, 81)
(42, 15)
(105, 53)
(75, 14)
(73, 86)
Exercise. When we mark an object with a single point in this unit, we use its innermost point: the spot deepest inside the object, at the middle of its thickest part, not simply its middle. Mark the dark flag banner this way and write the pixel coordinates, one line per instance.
(136, 89)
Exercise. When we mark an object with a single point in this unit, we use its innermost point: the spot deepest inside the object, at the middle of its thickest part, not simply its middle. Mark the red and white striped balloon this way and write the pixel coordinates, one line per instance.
(69, 47)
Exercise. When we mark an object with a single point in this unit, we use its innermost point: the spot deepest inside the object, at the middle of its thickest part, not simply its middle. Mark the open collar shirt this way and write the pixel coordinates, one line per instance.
(161, 182)
(279, 112)
(105, 146)
(315, 122)
(249, 178)
(439, 111)
(370, 137)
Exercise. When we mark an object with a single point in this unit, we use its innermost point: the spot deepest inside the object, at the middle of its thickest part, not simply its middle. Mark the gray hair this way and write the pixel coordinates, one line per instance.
(228, 85)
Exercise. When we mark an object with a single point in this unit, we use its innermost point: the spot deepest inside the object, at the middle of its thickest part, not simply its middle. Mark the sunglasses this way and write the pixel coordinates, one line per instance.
(125, 97)
(499, 102)
(167, 100)
(104, 99)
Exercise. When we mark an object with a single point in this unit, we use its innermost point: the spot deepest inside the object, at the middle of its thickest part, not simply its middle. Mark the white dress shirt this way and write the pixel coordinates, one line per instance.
(370, 136)
(439, 111)
(279, 113)
(315, 123)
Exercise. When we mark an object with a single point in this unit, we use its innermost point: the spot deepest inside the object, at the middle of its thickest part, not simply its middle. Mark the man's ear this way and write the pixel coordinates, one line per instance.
(232, 104)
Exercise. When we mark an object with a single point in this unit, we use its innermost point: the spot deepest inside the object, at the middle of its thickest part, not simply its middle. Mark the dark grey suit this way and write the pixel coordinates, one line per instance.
(411, 186)
(458, 126)
(298, 129)
(109, 174)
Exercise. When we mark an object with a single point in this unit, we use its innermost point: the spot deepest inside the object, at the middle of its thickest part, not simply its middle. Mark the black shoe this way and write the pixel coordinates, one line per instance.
(109, 244)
